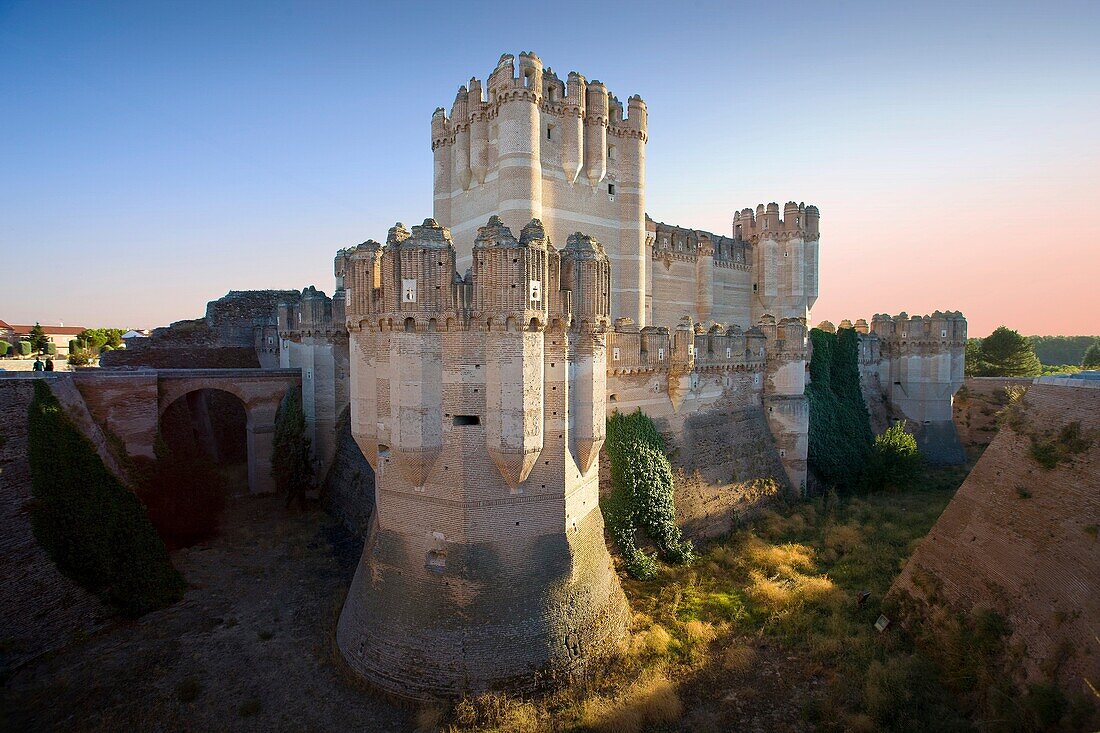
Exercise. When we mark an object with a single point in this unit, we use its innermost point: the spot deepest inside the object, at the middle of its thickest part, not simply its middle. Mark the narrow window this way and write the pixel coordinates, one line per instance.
(549, 132)
(615, 354)
(660, 354)
(611, 152)
(611, 189)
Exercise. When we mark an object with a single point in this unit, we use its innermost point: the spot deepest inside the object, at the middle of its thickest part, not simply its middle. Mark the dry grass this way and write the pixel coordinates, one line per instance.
(494, 712)
(843, 538)
(653, 642)
(782, 559)
(650, 701)
(738, 658)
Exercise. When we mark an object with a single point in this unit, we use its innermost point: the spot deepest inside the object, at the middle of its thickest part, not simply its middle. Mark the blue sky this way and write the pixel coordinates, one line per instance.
(156, 155)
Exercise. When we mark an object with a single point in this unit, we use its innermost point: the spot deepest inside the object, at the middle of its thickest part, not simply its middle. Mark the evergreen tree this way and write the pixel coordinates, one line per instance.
(975, 367)
(1008, 354)
(39, 340)
(1092, 357)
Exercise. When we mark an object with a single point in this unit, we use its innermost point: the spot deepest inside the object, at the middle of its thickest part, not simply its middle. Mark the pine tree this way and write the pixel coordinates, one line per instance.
(1008, 354)
(1092, 357)
(39, 340)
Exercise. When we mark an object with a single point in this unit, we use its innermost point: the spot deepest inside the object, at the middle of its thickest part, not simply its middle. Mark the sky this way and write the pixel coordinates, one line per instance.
(155, 155)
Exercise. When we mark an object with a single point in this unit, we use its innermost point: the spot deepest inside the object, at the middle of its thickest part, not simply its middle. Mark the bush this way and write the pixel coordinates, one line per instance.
(51, 348)
(78, 358)
(894, 462)
(95, 530)
(5, 348)
(25, 348)
(643, 494)
(1049, 451)
(840, 437)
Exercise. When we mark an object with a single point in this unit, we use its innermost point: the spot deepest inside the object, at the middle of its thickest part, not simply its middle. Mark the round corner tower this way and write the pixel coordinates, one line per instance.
(479, 402)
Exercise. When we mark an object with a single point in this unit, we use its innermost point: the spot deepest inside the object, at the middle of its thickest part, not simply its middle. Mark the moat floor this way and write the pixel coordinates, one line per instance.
(248, 648)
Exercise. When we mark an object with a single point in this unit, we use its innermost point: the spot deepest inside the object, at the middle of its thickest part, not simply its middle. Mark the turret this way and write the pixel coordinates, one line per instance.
(572, 134)
(586, 271)
(460, 155)
(479, 133)
(595, 133)
(637, 115)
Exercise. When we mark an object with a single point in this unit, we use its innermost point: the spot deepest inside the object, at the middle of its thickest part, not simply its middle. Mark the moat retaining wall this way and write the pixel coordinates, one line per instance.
(1021, 539)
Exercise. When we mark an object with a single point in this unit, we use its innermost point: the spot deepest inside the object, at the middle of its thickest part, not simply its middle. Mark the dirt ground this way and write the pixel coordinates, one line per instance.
(249, 648)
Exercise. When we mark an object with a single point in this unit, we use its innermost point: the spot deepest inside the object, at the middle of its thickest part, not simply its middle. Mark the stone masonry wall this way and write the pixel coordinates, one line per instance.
(349, 486)
(40, 609)
(1022, 540)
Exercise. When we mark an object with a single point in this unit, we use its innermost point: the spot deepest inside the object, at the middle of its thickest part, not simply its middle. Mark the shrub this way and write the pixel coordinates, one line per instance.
(1048, 451)
(25, 348)
(95, 530)
(51, 348)
(78, 358)
(894, 461)
(5, 348)
(840, 428)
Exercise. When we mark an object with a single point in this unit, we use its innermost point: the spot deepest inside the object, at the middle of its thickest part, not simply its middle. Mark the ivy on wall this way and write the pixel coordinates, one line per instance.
(642, 496)
(92, 527)
(840, 438)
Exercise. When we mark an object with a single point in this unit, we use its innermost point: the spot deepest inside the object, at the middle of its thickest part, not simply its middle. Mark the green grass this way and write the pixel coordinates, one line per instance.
(794, 577)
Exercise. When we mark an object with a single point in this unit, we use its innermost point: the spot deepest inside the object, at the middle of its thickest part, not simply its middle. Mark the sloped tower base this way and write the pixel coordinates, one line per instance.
(515, 614)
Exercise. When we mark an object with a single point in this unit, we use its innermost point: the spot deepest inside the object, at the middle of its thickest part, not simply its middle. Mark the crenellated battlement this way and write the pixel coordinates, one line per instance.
(523, 284)
(313, 314)
(668, 241)
(799, 221)
(941, 328)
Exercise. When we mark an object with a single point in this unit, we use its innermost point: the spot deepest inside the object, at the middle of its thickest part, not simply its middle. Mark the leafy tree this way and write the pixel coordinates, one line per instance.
(39, 340)
(1057, 350)
(100, 338)
(894, 461)
(1091, 359)
(1005, 353)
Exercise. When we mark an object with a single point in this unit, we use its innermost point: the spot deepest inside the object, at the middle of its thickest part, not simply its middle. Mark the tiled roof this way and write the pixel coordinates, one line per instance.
(51, 330)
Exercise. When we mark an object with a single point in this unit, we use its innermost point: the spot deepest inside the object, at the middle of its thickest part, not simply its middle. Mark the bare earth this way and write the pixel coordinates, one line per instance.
(249, 647)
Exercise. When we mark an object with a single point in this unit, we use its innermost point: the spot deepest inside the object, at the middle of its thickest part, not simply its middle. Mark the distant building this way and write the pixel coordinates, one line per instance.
(59, 335)
(132, 334)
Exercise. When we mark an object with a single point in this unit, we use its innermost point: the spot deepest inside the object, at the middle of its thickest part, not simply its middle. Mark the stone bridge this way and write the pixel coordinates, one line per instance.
(127, 406)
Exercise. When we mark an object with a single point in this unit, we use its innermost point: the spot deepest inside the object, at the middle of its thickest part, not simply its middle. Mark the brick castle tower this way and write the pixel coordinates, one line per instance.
(479, 402)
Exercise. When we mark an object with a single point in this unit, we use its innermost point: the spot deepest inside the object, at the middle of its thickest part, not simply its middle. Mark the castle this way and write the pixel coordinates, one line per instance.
(481, 351)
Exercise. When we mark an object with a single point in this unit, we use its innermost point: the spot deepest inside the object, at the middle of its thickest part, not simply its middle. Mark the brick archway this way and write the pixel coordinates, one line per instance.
(259, 391)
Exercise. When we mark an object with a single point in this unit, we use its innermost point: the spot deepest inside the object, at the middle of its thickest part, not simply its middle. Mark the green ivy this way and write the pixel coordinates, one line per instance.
(641, 476)
(92, 527)
(840, 438)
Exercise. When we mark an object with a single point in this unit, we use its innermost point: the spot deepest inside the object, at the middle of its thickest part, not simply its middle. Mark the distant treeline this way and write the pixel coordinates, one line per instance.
(1055, 350)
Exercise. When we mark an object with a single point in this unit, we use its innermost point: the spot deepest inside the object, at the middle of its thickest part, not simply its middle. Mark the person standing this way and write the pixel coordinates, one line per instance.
(38, 365)
(49, 364)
